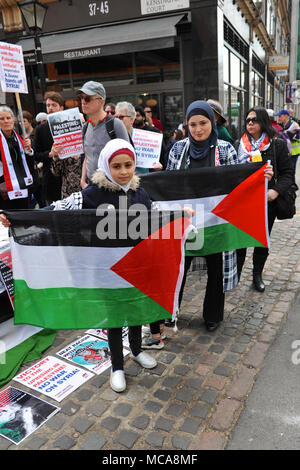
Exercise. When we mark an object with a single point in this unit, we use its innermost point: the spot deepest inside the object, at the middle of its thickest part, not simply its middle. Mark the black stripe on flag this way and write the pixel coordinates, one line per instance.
(196, 183)
(79, 227)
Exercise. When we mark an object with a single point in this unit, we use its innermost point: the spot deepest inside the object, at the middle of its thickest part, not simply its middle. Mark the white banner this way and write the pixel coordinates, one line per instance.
(66, 130)
(53, 377)
(147, 146)
(12, 69)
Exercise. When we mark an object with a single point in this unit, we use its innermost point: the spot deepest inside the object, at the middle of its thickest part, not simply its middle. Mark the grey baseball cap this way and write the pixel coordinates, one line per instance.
(93, 88)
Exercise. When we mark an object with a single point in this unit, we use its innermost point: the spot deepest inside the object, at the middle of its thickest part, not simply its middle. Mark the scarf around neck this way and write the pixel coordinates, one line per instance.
(249, 147)
(200, 149)
(14, 182)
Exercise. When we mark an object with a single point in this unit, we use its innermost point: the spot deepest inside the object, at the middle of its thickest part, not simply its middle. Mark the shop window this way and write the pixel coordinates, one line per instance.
(235, 92)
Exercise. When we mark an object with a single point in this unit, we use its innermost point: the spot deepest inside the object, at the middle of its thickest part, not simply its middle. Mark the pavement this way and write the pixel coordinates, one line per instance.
(199, 392)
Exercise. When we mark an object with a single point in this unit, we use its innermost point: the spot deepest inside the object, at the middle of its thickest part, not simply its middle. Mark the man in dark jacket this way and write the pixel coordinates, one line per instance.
(43, 143)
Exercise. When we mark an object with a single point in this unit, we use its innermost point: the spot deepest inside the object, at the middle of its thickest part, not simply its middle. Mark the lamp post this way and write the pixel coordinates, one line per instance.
(33, 13)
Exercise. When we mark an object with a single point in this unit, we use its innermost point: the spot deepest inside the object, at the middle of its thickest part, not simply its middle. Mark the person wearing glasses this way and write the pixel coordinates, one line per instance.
(126, 112)
(260, 144)
(97, 131)
(110, 108)
(152, 121)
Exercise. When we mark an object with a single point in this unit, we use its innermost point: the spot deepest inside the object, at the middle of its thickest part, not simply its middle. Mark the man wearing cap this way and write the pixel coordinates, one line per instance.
(98, 130)
(220, 119)
(292, 129)
(278, 129)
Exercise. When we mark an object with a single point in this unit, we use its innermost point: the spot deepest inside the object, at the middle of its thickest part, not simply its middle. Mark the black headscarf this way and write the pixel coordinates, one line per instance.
(201, 149)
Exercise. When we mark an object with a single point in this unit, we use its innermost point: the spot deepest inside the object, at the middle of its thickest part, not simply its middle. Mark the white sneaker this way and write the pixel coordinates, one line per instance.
(145, 360)
(146, 331)
(117, 380)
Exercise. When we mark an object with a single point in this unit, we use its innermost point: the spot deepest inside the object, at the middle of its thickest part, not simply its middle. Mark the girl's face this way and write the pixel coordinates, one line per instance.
(200, 127)
(122, 168)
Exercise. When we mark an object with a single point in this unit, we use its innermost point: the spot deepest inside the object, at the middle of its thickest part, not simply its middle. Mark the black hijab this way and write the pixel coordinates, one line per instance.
(201, 149)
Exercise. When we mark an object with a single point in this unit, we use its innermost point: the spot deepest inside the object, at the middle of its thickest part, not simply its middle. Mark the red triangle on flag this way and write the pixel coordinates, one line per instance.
(155, 265)
(244, 207)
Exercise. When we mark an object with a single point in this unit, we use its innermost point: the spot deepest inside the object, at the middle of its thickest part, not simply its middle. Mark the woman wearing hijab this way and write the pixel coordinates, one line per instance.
(258, 144)
(203, 149)
(114, 178)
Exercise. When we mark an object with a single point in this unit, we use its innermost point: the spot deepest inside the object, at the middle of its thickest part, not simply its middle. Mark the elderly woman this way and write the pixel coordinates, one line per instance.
(258, 143)
(15, 155)
(200, 149)
(125, 111)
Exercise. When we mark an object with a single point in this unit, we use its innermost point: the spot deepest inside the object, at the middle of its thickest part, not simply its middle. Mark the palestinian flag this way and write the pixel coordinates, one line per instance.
(20, 344)
(230, 204)
(76, 269)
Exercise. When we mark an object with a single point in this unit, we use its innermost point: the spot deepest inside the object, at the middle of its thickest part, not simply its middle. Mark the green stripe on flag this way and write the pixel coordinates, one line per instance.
(80, 308)
(29, 350)
(222, 237)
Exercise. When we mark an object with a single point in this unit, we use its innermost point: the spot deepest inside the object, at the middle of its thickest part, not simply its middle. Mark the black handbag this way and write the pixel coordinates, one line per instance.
(285, 203)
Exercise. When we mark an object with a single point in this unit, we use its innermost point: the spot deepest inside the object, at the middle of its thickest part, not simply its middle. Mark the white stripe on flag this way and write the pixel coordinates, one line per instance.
(67, 266)
(203, 206)
(12, 335)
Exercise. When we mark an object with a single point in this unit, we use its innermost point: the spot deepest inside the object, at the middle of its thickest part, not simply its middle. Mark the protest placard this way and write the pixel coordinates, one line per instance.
(90, 352)
(102, 333)
(12, 69)
(6, 275)
(22, 413)
(53, 377)
(66, 128)
(147, 146)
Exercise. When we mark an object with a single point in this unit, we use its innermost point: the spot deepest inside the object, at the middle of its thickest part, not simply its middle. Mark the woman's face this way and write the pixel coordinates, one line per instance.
(252, 125)
(7, 123)
(122, 168)
(200, 127)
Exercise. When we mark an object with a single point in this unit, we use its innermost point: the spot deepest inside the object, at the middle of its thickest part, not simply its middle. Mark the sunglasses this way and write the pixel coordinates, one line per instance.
(122, 116)
(253, 119)
(87, 99)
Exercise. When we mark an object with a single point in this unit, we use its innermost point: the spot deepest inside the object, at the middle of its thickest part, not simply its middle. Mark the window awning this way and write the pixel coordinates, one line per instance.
(106, 40)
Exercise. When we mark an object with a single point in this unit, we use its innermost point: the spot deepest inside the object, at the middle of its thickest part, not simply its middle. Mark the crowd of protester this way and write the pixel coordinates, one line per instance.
(46, 181)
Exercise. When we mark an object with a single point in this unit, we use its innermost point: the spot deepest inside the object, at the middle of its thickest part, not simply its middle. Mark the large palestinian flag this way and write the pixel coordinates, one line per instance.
(230, 204)
(18, 343)
(76, 269)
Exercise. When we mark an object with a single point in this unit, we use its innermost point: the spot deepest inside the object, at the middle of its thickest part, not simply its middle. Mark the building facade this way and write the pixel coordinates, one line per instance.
(160, 53)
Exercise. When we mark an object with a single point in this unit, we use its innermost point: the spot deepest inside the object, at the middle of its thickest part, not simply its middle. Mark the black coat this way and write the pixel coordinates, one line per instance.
(283, 165)
(43, 142)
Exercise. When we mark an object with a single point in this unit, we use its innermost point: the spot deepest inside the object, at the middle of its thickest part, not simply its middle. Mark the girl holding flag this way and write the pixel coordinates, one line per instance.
(15, 176)
(114, 178)
(258, 144)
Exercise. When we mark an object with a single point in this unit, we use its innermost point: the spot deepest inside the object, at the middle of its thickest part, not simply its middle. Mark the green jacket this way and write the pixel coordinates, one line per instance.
(223, 134)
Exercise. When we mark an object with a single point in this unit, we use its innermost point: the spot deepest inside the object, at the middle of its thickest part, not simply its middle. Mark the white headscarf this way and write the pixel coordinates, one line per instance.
(110, 148)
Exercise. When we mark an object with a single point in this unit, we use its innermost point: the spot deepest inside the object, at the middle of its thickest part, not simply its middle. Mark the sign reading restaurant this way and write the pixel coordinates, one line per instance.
(82, 53)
